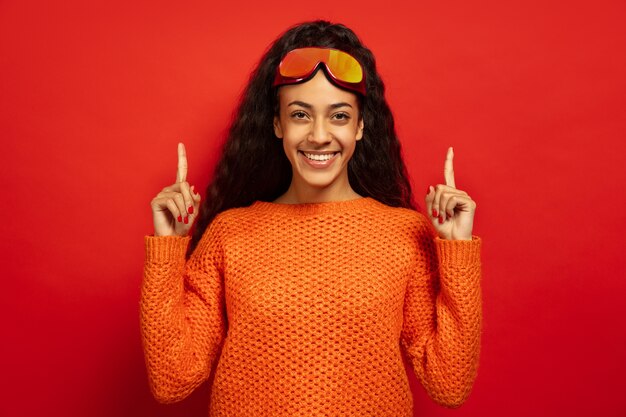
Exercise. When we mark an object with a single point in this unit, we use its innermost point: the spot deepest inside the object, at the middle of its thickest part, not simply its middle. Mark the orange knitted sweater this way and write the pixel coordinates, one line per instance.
(305, 310)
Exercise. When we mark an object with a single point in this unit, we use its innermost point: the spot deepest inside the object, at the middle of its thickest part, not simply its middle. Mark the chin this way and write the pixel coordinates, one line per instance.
(317, 178)
(318, 181)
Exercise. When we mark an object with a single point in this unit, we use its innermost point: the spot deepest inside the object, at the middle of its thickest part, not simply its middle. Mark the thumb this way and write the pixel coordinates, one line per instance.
(429, 199)
(195, 196)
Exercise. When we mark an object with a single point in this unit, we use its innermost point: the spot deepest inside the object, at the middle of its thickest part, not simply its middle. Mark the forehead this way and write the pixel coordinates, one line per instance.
(317, 91)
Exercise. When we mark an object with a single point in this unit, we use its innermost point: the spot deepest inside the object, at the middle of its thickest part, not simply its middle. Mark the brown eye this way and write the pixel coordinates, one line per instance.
(341, 116)
(298, 115)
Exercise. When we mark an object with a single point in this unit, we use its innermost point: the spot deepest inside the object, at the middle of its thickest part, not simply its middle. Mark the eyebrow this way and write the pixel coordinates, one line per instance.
(309, 106)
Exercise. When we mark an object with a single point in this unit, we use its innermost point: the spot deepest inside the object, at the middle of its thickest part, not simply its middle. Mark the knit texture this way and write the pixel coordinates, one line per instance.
(306, 310)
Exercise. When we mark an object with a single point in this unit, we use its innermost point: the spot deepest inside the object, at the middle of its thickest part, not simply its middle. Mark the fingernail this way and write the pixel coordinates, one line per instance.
(440, 219)
(180, 218)
(190, 209)
(186, 219)
(434, 213)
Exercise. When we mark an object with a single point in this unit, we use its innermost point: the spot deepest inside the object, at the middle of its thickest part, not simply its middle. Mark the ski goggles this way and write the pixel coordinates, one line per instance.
(300, 64)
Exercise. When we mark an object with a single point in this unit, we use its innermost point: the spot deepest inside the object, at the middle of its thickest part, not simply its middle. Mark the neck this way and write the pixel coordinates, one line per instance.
(302, 193)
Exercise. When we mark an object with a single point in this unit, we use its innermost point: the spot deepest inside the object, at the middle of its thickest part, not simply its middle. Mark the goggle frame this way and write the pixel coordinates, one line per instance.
(321, 56)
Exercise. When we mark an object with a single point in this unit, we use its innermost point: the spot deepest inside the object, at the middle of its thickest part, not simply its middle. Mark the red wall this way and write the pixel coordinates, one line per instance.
(94, 97)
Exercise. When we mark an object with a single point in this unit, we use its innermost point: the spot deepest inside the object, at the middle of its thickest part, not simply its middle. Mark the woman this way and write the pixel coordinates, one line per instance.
(310, 271)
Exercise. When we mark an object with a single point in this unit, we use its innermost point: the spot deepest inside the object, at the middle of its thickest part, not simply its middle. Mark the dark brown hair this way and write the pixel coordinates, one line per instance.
(253, 165)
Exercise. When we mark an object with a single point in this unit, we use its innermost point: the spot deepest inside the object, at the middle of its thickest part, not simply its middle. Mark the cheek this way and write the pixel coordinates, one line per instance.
(348, 136)
(294, 131)
(290, 146)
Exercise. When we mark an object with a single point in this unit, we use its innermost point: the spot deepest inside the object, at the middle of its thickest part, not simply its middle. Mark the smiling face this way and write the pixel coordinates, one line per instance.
(319, 125)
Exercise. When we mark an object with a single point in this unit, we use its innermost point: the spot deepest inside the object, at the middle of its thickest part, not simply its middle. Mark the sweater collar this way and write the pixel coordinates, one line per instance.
(316, 208)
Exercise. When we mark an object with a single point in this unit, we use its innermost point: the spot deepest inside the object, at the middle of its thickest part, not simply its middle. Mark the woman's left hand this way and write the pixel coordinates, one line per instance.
(451, 210)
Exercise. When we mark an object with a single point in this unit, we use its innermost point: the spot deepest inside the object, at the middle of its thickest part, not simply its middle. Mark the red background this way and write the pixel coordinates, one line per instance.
(94, 97)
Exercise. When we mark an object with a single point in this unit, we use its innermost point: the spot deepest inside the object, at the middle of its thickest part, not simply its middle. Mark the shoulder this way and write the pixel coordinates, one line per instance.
(236, 215)
(407, 216)
(233, 220)
(401, 222)
(223, 221)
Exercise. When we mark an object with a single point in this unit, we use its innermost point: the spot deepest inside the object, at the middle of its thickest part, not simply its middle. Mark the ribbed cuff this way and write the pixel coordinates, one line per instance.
(460, 253)
(166, 248)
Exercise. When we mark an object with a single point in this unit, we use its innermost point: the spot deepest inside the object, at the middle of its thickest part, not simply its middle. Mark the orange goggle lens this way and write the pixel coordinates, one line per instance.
(300, 63)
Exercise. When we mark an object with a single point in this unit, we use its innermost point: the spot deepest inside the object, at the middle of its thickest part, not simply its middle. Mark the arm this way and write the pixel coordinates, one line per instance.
(442, 317)
(182, 313)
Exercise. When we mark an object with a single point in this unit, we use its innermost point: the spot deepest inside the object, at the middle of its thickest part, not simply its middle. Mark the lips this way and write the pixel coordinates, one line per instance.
(318, 156)
(319, 163)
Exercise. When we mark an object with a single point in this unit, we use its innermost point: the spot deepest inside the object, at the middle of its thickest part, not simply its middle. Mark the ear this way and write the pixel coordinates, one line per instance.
(359, 133)
(278, 130)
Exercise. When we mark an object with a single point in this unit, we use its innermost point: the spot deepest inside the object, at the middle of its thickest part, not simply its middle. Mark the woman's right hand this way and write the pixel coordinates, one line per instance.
(176, 207)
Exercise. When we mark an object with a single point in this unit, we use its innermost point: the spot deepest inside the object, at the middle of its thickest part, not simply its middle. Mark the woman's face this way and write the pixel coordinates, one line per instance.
(319, 126)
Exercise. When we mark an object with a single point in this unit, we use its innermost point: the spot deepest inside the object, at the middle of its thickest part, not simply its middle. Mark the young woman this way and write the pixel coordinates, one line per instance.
(310, 272)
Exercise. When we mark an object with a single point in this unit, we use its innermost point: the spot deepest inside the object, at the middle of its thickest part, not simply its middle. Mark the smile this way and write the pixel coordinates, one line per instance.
(318, 157)
(318, 160)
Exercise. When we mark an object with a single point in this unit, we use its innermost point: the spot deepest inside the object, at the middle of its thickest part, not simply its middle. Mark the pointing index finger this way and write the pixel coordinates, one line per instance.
(181, 173)
(448, 170)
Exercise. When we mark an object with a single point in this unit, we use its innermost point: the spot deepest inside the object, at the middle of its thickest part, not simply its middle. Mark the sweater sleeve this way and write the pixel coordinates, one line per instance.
(181, 312)
(443, 317)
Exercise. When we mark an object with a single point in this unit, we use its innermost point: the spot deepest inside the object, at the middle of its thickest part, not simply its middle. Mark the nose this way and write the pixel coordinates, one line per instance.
(319, 133)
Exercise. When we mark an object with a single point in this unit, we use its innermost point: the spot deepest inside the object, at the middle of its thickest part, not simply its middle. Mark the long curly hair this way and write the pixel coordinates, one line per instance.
(253, 165)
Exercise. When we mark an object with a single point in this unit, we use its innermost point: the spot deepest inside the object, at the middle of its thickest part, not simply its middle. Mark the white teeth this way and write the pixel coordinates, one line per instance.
(318, 157)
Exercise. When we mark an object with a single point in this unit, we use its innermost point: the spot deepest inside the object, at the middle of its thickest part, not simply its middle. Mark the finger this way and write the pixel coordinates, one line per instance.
(195, 211)
(443, 199)
(430, 197)
(458, 203)
(456, 196)
(438, 208)
(448, 169)
(448, 203)
(439, 189)
(441, 208)
(180, 205)
(195, 195)
(196, 201)
(184, 189)
(176, 187)
(173, 207)
(167, 203)
(176, 196)
(181, 172)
